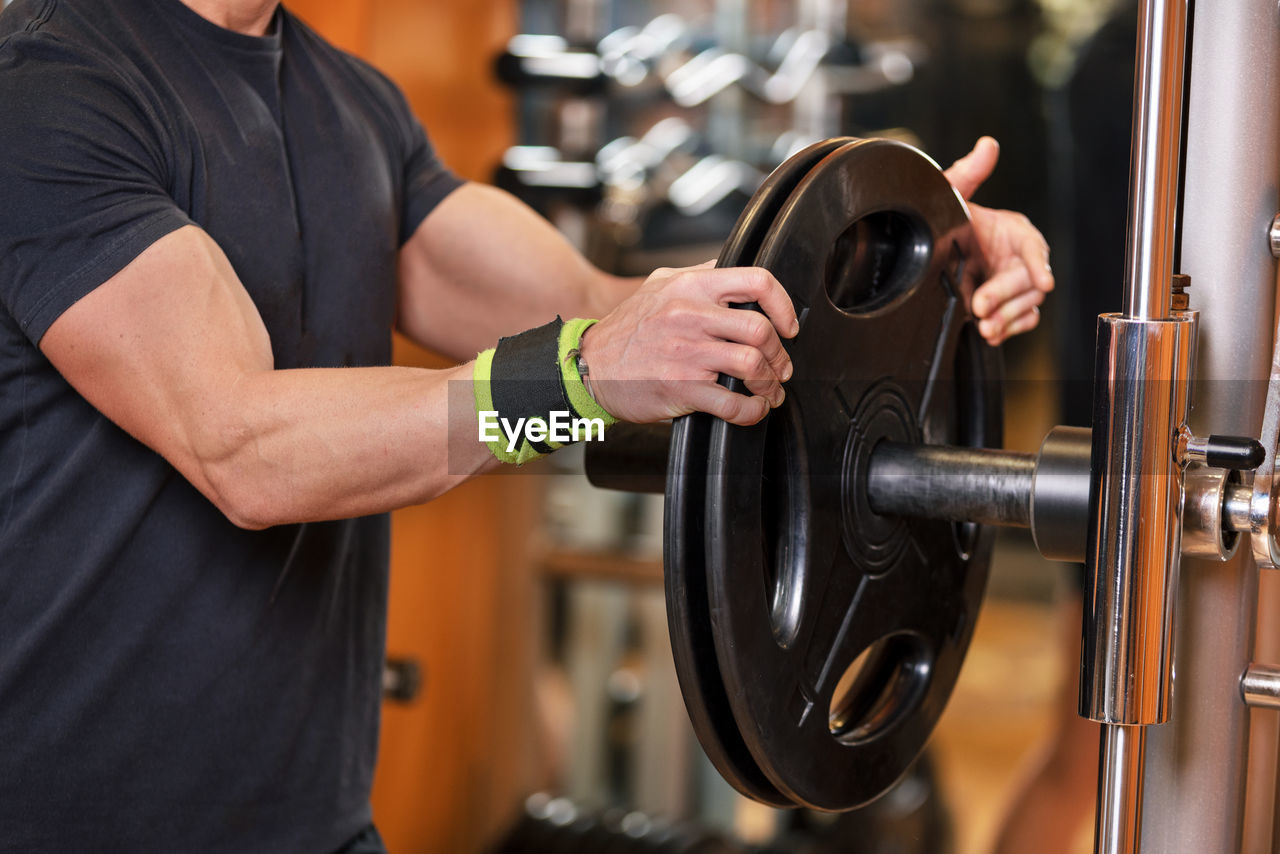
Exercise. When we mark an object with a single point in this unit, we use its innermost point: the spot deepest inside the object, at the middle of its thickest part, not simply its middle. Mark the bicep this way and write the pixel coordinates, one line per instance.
(160, 346)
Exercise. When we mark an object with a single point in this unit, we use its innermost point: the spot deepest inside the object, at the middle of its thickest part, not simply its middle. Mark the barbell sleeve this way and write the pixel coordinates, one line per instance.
(1047, 492)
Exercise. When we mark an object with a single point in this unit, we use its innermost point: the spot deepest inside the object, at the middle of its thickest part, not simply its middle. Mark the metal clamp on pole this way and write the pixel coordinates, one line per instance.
(1141, 382)
(1136, 527)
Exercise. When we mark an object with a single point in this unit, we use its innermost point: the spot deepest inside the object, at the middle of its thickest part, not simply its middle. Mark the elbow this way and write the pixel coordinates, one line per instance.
(227, 470)
(246, 517)
(241, 501)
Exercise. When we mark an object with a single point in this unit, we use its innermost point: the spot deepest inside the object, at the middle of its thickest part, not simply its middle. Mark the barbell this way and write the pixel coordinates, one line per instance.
(824, 568)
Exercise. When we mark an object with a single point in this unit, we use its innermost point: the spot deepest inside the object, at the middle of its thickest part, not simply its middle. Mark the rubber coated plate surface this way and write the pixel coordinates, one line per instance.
(802, 579)
(688, 612)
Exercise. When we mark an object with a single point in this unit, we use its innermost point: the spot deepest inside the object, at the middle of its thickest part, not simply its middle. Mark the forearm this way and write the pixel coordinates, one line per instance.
(311, 444)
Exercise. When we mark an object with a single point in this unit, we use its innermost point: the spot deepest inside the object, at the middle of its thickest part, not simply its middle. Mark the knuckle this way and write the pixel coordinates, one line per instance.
(676, 311)
(753, 363)
(757, 330)
(758, 280)
(659, 279)
(732, 408)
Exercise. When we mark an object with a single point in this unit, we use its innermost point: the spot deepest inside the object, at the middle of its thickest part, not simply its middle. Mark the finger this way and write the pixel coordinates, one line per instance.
(770, 390)
(1012, 317)
(1035, 254)
(1000, 288)
(747, 364)
(753, 329)
(1019, 305)
(968, 173)
(729, 405)
(752, 284)
(1024, 322)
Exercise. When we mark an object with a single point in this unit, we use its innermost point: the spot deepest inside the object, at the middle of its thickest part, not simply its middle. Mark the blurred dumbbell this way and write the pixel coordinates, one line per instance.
(625, 57)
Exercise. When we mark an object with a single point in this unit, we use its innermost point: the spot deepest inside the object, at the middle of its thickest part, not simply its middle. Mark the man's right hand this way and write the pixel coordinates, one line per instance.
(659, 353)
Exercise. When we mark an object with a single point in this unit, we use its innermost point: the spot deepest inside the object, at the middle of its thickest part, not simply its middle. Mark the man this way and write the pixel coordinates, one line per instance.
(211, 222)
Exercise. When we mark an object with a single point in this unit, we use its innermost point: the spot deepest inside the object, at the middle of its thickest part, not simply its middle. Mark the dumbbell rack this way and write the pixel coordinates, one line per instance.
(628, 113)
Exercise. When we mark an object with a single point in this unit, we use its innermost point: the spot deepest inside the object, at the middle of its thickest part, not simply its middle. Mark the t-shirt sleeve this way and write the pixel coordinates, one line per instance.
(427, 180)
(82, 176)
(424, 180)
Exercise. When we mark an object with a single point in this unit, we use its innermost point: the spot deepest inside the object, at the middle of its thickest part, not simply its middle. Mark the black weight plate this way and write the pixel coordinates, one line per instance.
(688, 614)
(743, 244)
(803, 580)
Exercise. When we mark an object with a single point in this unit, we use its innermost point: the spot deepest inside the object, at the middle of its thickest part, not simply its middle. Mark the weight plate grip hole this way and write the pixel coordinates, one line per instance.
(880, 688)
(784, 520)
(876, 259)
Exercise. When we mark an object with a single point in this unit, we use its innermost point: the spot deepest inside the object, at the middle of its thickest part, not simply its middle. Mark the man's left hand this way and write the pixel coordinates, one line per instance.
(1017, 273)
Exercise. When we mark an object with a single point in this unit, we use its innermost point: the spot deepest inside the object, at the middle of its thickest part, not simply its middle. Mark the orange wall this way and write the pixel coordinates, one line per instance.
(454, 765)
(441, 53)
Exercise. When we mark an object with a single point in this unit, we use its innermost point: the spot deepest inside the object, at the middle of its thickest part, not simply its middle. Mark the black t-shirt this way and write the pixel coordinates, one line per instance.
(169, 682)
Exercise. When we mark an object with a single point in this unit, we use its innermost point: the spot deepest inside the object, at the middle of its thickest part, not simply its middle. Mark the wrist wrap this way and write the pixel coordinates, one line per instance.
(525, 379)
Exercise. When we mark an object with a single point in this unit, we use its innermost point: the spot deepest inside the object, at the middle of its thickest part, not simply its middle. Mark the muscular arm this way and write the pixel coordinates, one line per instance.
(188, 371)
(172, 349)
(484, 265)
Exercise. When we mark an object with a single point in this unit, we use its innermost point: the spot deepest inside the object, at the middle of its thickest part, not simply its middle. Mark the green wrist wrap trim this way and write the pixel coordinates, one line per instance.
(529, 397)
(584, 405)
(498, 446)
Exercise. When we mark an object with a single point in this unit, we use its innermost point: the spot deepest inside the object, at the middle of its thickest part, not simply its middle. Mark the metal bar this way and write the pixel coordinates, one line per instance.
(1120, 776)
(1157, 150)
(1141, 397)
(632, 458)
(961, 484)
(1260, 687)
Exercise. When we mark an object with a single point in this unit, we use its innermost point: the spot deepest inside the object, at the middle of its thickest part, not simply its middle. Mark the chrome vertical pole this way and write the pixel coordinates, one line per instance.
(1141, 399)
(1156, 157)
(1120, 786)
